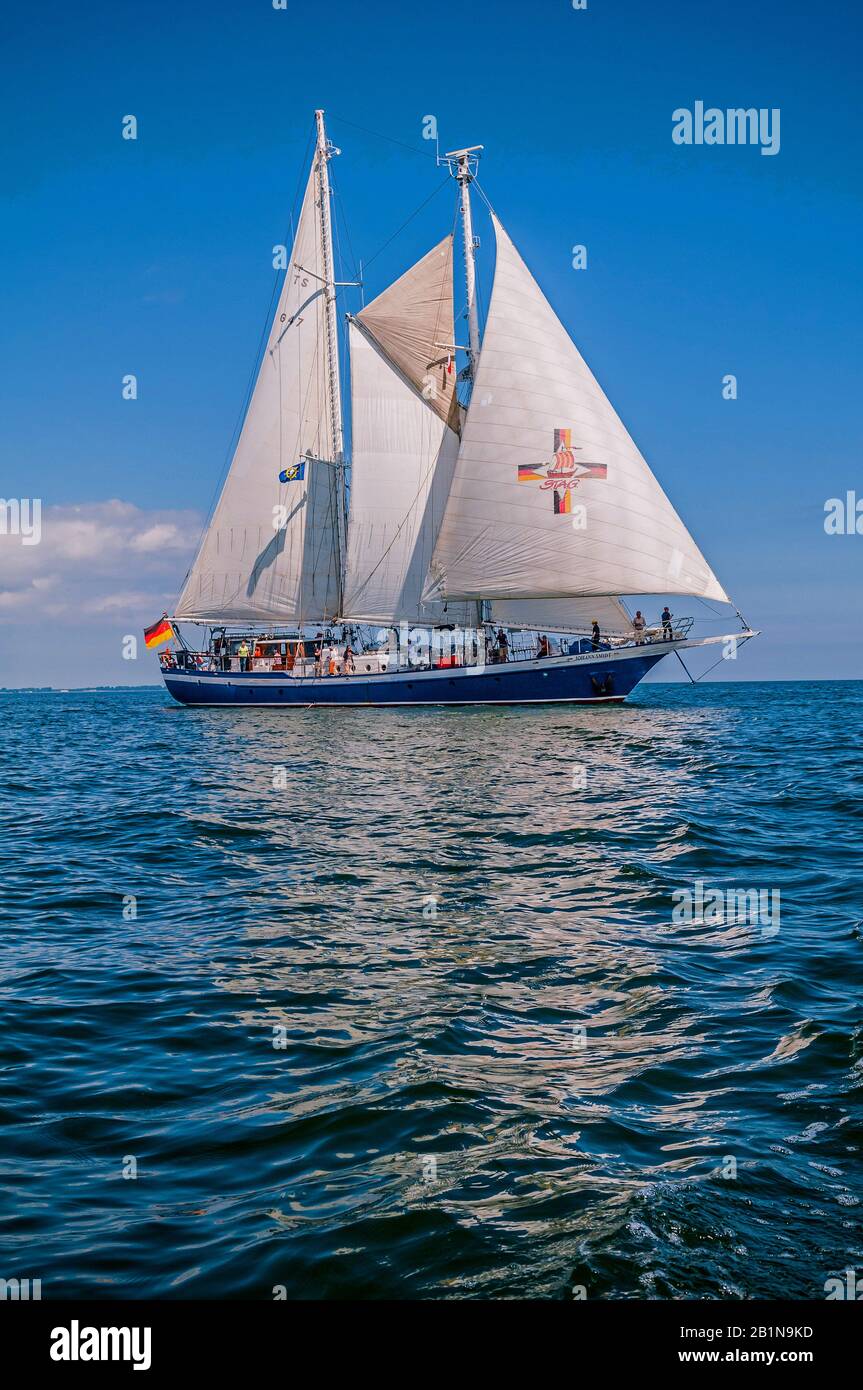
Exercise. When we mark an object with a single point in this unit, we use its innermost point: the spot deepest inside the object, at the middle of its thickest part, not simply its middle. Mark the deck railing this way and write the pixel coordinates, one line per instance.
(523, 646)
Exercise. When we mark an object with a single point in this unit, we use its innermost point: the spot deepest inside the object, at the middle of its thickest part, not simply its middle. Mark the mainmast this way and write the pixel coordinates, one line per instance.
(462, 165)
(325, 152)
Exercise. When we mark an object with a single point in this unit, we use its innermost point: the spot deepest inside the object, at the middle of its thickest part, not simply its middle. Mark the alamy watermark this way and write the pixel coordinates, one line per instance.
(736, 126)
(21, 516)
(719, 907)
(425, 647)
(843, 516)
(20, 1290)
(851, 1287)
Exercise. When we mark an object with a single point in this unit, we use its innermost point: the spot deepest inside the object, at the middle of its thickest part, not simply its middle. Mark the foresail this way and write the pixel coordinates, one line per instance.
(563, 614)
(270, 549)
(403, 454)
(412, 320)
(550, 496)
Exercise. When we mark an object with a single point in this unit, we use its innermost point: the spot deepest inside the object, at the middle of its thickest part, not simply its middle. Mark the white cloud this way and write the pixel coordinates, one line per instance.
(100, 557)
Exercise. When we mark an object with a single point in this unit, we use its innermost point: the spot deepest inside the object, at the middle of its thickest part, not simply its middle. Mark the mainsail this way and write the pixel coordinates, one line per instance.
(550, 496)
(403, 448)
(271, 547)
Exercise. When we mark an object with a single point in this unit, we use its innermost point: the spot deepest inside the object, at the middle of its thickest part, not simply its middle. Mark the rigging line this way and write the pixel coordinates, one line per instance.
(303, 167)
(340, 211)
(233, 439)
(424, 203)
(685, 667)
(378, 135)
(478, 284)
(462, 311)
(741, 643)
(342, 327)
(482, 193)
(723, 617)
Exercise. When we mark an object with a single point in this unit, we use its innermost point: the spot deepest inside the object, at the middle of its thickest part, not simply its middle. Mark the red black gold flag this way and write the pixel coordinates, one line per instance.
(157, 634)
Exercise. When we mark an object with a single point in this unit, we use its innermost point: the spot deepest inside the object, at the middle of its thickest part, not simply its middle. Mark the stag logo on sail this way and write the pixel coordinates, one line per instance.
(563, 473)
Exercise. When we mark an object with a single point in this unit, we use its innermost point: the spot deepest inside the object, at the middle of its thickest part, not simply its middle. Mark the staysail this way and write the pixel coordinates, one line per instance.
(271, 548)
(403, 448)
(412, 320)
(550, 496)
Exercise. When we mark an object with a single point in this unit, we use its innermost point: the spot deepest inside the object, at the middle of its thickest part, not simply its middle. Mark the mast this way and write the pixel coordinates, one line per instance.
(462, 165)
(324, 154)
(464, 172)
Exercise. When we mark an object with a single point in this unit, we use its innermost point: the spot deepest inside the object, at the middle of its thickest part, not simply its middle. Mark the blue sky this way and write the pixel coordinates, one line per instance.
(154, 257)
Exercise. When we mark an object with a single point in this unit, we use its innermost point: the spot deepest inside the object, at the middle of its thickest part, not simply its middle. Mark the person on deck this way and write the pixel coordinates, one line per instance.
(502, 645)
(348, 663)
(333, 662)
(595, 636)
(243, 653)
(667, 630)
(319, 657)
(543, 649)
(638, 627)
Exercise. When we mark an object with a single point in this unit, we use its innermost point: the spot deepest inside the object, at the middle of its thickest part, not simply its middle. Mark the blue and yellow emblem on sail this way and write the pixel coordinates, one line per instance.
(294, 474)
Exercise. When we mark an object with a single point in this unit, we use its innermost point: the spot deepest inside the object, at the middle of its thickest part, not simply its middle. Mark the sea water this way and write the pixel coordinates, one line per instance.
(397, 1003)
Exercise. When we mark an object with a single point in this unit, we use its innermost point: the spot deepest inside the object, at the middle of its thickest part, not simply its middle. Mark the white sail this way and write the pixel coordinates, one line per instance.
(563, 614)
(412, 320)
(541, 442)
(270, 550)
(403, 455)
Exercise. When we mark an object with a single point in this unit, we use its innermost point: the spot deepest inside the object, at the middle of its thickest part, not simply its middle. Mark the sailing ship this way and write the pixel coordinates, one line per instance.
(480, 511)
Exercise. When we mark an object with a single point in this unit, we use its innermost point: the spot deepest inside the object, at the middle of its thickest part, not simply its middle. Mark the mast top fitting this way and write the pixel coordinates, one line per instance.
(462, 164)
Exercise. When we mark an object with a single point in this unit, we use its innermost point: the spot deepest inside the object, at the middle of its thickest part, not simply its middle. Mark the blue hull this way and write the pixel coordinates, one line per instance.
(601, 677)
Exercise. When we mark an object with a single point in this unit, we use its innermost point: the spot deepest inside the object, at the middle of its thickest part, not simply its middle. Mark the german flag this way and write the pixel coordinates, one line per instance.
(160, 632)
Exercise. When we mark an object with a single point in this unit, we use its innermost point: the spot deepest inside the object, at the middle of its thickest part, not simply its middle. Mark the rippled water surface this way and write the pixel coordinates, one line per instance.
(404, 1011)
